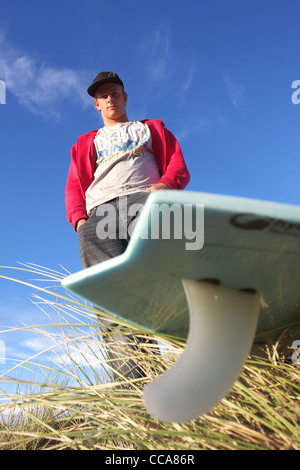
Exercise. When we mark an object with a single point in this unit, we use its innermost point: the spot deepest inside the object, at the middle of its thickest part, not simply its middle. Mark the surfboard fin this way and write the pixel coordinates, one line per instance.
(221, 332)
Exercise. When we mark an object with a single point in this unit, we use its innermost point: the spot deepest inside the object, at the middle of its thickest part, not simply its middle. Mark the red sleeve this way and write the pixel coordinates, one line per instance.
(80, 177)
(168, 156)
(176, 174)
(74, 196)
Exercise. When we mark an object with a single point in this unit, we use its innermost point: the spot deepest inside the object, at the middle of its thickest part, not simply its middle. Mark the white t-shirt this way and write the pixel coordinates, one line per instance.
(125, 162)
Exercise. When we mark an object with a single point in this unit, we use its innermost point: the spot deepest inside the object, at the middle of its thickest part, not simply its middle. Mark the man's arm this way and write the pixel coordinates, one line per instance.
(80, 177)
(176, 173)
(74, 196)
(157, 186)
(168, 156)
(79, 222)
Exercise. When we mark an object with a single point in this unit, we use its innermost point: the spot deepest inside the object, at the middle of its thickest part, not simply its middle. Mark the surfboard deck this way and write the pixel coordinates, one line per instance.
(227, 242)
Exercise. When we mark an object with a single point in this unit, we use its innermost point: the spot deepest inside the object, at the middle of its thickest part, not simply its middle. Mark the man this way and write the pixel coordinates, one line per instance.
(115, 168)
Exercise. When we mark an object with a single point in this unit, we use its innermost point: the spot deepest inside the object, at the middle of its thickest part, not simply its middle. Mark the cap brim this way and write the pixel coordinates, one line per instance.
(94, 86)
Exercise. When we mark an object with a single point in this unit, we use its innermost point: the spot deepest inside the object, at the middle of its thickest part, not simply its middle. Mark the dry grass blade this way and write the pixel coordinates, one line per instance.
(71, 400)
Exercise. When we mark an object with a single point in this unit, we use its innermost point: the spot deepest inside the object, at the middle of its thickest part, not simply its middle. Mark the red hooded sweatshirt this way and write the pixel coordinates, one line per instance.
(167, 153)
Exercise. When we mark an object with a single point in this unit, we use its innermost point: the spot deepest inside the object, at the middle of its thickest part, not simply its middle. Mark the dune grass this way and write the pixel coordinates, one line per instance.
(64, 397)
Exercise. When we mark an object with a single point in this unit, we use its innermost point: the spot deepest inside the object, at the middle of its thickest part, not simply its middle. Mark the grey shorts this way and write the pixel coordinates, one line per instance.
(107, 231)
(105, 235)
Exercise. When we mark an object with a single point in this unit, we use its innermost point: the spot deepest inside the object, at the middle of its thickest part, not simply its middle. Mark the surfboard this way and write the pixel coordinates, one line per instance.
(219, 271)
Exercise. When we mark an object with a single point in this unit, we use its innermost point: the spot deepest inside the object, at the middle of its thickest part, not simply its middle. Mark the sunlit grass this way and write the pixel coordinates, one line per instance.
(64, 397)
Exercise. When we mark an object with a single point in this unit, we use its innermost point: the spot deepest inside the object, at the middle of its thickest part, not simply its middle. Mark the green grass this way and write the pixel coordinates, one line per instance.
(64, 397)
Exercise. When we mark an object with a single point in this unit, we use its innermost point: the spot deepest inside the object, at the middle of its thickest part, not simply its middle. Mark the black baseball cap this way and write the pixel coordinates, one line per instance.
(103, 77)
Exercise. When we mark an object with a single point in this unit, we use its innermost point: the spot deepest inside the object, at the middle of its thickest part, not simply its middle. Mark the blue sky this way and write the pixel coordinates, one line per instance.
(219, 73)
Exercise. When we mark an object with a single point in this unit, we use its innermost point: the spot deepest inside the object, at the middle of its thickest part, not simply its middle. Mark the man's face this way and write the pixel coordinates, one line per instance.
(110, 99)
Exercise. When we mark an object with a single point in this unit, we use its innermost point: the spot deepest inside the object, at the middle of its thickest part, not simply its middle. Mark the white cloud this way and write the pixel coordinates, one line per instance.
(82, 354)
(235, 89)
(188, 79)
(40, 87)
(34, 344)
(159, 66)
(196, 126)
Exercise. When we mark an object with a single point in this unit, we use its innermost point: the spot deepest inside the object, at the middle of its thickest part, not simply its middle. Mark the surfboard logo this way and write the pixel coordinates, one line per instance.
(246, 221)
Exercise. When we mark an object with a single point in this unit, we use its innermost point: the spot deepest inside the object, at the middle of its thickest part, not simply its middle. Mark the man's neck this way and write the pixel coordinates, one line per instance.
(113, 122)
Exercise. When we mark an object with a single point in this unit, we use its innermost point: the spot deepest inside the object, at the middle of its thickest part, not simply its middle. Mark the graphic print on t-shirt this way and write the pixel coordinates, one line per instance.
(115, 143)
